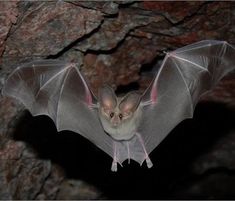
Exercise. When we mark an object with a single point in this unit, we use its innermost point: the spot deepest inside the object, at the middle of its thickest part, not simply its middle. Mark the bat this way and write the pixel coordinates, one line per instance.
(133, 125)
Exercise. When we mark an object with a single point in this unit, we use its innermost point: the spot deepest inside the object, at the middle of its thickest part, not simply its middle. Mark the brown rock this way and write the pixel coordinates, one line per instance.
(48, 28)
(8, 16)
(113, 31)
(77, 190)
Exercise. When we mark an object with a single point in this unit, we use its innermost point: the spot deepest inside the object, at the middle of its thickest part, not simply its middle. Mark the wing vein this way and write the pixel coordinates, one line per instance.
(233, 47)
(49, 80)
(199, 66)
(154, 83)
(61, 91)
(210, 43)
(189, 94)
(86, 88)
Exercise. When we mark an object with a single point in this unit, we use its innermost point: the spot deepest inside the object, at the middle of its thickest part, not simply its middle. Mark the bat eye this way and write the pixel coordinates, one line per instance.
(111, 114)
(120, 116)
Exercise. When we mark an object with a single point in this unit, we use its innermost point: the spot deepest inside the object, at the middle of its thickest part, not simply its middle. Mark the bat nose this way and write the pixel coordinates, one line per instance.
(115, 121)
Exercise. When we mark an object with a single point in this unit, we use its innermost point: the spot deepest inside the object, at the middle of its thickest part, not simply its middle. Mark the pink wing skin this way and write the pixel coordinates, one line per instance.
(57, 89)
(184, 76)
(87, 91)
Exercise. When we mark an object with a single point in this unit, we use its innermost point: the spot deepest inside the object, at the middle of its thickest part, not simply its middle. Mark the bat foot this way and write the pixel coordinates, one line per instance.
(149, 162)
(114, 166)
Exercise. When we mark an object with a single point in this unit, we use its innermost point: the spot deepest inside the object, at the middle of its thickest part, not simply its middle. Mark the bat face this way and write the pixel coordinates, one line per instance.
(119, 116)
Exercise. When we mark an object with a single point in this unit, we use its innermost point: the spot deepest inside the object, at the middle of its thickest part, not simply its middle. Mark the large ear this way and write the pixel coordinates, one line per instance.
(130, 103)
(107, 97)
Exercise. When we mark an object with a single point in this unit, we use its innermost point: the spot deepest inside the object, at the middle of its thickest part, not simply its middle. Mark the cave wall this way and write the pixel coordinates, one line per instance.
(120, 43)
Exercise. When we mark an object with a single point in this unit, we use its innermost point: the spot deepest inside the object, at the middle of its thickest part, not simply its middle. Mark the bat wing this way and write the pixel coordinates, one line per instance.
(183, 77)
(57, 89)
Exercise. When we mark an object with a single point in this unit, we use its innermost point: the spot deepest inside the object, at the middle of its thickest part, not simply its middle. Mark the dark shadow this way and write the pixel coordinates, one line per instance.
(124, 89)
(172, 159)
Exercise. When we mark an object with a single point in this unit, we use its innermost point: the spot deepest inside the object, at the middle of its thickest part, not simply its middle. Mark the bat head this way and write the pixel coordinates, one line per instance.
(119, 116)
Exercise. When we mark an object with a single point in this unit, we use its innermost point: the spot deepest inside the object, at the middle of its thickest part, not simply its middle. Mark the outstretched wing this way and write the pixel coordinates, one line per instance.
(184, 76)
(57, 89)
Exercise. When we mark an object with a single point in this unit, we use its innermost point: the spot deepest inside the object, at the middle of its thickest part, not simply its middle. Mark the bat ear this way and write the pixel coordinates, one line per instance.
(130, 102)
(107, 97)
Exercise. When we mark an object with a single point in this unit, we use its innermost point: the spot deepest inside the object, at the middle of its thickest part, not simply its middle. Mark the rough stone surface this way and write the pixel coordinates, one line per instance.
(77, 190)
(110, 68)
(8, 16)
(48, 27)
(52, 184)
(121, 43)
(114, 30)
(106, 7)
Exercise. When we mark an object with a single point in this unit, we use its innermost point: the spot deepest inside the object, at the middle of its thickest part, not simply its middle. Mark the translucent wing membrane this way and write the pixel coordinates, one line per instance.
(184, 76)
(57, 89)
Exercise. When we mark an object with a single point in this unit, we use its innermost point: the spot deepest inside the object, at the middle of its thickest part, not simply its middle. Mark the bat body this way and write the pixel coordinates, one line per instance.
(120, 117)
(122, 132)
(127, 127)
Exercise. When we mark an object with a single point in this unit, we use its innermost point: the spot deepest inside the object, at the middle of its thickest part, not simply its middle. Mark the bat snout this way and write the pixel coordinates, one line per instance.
(115, 121)
(115, 124)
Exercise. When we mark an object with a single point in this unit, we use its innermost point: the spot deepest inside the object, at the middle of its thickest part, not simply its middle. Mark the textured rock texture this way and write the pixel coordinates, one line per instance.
(8, 17)
(121, 43)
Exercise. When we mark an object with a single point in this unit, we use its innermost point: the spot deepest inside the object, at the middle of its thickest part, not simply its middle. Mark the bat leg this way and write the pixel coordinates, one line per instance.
(114, 166)
(128, 152)
(114, 163)
(147, 159)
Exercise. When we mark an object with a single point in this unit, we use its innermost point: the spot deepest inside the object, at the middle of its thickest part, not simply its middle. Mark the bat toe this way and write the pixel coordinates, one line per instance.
(114, 166)
(149, 162)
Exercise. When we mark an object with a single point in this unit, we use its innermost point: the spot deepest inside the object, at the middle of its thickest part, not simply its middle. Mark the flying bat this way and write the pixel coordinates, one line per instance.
(133, 125)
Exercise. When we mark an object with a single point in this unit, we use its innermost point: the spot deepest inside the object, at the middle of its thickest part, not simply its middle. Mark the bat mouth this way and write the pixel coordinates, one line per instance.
(115, 125)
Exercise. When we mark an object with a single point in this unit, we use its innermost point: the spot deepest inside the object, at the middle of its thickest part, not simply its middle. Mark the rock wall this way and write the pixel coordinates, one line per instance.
(120, 43)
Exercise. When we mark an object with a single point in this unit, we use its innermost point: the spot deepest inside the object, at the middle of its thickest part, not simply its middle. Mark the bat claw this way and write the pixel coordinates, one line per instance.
(114, 166)
(149, 162)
